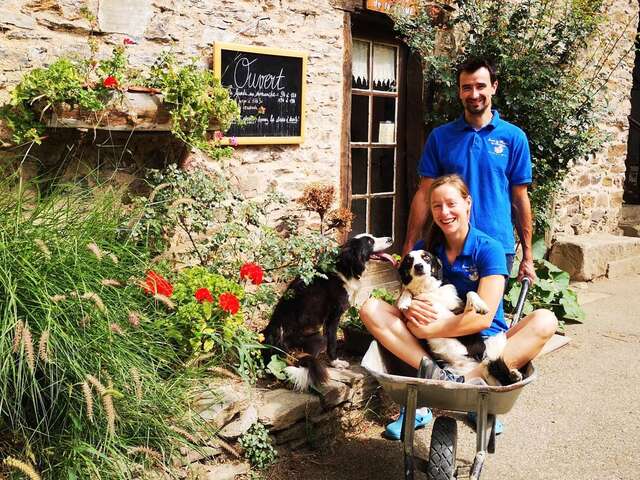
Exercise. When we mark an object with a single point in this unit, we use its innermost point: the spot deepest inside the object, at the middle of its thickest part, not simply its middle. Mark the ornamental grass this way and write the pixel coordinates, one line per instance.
(68, 406)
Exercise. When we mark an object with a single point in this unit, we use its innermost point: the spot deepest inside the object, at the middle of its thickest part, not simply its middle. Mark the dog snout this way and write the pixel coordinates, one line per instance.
(419, 268)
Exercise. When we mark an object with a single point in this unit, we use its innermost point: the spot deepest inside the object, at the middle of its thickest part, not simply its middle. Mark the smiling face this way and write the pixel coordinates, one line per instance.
(450, 209)
(475, 91)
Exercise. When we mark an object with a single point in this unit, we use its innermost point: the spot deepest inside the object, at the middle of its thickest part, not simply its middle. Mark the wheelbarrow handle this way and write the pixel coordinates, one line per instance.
(526, 283)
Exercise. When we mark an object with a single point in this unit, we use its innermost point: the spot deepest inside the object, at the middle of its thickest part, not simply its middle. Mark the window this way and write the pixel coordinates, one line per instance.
(374, 152)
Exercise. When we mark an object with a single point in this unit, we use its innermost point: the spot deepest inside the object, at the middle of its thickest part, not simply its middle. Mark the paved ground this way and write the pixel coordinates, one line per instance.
(580, 420)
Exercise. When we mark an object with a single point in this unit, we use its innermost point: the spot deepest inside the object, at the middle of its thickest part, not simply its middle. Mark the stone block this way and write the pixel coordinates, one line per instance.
(623, 267)
(125, 16)
(10, 19)
(221, 471)
(238, 427)
(298, 431)
(334, 393)
(282, 408)
(586, 257)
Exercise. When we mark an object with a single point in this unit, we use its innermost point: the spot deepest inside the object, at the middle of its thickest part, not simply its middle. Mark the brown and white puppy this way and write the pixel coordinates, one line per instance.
(421, 274)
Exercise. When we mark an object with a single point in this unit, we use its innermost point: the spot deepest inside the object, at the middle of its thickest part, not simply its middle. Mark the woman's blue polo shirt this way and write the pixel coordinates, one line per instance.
(481, 256)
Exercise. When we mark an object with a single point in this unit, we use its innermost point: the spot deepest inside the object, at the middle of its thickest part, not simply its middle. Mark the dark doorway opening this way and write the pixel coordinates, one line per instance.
(632, 177)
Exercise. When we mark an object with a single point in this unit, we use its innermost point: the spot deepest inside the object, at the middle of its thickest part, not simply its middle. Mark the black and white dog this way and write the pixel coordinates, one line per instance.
(305, 320)
(421, 274)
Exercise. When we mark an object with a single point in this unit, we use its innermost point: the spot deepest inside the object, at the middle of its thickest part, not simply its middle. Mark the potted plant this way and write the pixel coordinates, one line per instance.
(86, 93)
(356, 336)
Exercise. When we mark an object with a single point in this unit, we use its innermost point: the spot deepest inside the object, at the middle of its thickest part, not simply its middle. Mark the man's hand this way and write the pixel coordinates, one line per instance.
(527, 270)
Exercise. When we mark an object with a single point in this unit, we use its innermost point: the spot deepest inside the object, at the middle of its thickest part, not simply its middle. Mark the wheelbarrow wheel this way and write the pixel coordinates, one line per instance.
(442, 452)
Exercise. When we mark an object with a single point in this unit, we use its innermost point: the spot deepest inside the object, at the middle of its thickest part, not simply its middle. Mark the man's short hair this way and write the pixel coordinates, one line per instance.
(472, 65)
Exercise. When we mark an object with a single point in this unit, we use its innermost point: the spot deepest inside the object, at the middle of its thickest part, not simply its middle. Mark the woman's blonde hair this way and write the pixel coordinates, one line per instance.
(435, 235)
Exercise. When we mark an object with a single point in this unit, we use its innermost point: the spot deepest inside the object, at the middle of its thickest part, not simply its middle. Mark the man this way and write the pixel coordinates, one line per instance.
(492, 156)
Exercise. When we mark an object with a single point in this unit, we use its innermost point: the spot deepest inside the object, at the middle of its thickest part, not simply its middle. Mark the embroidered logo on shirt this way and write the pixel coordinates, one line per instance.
(471, 272)
(499, 146)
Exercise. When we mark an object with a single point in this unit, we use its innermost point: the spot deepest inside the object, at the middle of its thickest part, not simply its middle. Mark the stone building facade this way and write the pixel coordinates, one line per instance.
(34, 32)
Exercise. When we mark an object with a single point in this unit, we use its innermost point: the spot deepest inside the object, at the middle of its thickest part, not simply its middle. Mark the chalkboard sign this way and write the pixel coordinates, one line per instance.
(269, 86)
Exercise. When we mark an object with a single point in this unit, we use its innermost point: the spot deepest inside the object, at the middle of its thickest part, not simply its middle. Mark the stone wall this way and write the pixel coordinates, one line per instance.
(35, 32)
(592, 196)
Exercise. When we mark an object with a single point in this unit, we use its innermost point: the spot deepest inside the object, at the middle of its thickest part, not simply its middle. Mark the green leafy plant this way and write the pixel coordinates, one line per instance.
(196, 100)
(205, 324)
(258, 447)
(551, 290)
(548, 86)
(225, 229)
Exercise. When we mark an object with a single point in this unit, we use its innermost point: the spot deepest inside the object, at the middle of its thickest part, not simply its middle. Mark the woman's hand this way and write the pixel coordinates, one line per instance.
(417, 329)
(421, 312)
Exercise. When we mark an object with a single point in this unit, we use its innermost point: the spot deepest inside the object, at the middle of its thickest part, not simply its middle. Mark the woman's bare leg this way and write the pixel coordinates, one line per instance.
(386, 324)
(526, 339)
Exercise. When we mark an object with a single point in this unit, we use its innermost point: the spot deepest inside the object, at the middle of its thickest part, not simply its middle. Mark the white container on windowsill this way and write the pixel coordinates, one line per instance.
(387, 132)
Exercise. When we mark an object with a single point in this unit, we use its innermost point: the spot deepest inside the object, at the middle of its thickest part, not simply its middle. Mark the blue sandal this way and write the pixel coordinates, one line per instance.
(472, 418)
(393, 430)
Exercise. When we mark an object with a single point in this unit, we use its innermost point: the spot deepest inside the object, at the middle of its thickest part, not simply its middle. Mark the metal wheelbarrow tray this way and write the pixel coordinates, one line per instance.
(486, 401)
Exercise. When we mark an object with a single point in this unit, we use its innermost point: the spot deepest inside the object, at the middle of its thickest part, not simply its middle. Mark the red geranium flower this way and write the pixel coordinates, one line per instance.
(203, 295)
(155, 283)
(129, 41)
(110, 82)
(253, 272)
(218, 135)
(229, 302)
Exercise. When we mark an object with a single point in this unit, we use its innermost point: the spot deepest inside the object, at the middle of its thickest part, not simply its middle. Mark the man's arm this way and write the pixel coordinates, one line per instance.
(418, 214)
(524, 225)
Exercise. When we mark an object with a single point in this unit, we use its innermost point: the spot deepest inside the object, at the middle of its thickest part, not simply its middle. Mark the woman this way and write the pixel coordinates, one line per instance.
(471, 261)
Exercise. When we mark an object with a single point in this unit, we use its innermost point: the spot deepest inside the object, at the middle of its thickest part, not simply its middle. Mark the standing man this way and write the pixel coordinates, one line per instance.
(492, 156)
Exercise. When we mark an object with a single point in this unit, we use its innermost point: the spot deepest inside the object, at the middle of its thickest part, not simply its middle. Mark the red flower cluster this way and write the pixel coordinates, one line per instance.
(253, 272)
(203, 295)
(229, 302)
(129, 41)
(110, 82)
(155, 283)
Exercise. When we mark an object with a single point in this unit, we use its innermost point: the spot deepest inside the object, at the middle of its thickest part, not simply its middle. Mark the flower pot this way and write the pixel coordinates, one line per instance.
(356, 340)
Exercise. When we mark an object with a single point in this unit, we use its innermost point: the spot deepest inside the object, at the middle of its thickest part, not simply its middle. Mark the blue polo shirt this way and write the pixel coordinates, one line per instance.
(490, 160)
(481, 256)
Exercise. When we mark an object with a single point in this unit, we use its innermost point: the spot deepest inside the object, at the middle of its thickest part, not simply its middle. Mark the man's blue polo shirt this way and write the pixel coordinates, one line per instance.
(490, 160)
(481, 256)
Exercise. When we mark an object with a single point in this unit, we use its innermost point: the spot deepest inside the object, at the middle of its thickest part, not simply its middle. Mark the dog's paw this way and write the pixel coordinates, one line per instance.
(404, 301)
(340, 364)
(476, 304)
(515, 375)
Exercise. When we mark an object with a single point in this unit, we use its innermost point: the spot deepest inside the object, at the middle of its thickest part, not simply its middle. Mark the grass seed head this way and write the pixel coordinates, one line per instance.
(17, 337)
(42, 346)
(137, 382)
(24, 467)
(93, 248)
(134, 319)
(43, 248)
(115, 328)
(97, 301)
(29, 351)
(110, 282)
(88, 400)
(164, 300)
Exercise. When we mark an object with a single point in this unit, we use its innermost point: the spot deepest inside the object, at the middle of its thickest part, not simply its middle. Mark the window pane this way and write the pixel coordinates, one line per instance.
(384, 68)
(382, 170)
(360, 65)
(382, 217)
(359, 210)
(358, 171)
(384, 117)
(359, 118)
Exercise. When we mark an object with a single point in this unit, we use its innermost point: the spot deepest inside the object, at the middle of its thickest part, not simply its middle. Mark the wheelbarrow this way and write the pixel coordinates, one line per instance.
(486, 401)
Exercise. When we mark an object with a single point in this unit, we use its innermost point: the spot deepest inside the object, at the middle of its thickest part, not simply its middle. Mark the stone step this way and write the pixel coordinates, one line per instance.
(629, 221)
(586, 257)
(378, 274)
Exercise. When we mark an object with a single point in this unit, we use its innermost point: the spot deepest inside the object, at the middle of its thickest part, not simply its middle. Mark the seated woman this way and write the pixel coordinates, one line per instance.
(472, 261)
